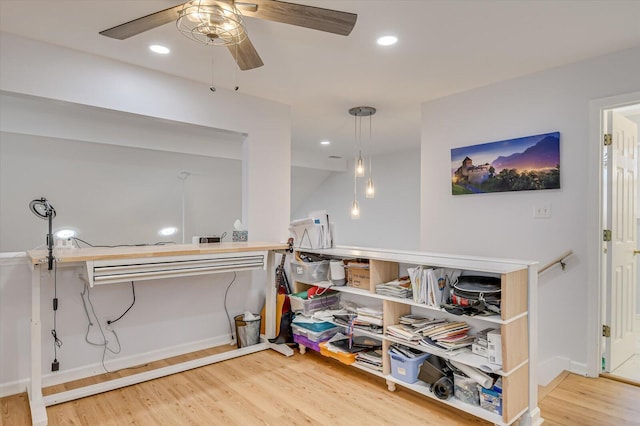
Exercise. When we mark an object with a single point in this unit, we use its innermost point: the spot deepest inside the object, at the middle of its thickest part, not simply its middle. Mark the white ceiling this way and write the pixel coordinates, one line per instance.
(444, 47)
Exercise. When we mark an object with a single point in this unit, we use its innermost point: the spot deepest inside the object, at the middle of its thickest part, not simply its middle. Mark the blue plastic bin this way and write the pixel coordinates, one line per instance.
(404, 368)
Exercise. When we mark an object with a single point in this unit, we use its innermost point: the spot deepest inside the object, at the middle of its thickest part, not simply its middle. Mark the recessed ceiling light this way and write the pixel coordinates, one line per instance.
(157, 48)
(325, 142)
(387, 40)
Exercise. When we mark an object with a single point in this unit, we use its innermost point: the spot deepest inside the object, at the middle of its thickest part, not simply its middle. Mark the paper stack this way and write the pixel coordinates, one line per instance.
(369, 315)
(397, 288)
(370, 359)
(313, 232)
(431, 286)
(411, 327)
(447, 336)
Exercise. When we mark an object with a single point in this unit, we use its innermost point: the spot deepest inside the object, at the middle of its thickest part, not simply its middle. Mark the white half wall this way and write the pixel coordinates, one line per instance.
(167, 314)
(502, 224)
(113, 194)
(84, 79)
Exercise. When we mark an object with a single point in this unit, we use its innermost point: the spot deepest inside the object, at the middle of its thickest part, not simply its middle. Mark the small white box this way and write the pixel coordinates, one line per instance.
(479, 349)
(494, 347)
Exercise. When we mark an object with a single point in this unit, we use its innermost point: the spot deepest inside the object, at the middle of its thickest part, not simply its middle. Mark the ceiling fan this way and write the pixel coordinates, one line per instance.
(211, 22)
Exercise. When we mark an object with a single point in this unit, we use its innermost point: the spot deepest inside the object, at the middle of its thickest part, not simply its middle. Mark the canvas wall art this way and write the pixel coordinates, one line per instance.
(522, 164)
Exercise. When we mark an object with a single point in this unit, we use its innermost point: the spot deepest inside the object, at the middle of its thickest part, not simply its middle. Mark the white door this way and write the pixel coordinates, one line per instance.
(621, 220)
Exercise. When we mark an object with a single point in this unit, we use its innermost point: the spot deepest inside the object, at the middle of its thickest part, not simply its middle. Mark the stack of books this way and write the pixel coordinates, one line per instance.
(403, 332)
(448, 336)
(405, 351)
(370, 359)
(412, 327)
(351, 321)
(397, 288)
(369, 315)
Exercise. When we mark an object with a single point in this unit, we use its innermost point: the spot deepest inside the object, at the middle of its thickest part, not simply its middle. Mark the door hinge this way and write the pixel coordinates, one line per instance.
(606, 235)
(608, 139)
(606, 331)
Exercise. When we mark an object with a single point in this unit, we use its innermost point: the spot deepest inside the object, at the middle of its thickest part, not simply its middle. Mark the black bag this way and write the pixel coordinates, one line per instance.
(471, 290)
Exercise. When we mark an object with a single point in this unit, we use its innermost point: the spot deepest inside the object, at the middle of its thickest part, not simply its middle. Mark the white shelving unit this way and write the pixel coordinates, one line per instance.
(517, 327)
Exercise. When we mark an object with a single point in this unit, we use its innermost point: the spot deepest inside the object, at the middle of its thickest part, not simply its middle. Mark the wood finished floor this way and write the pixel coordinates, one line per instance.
(268, 389)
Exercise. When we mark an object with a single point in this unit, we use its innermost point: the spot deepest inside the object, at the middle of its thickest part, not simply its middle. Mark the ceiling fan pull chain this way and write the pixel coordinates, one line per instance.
(212, 87)
(236, 68)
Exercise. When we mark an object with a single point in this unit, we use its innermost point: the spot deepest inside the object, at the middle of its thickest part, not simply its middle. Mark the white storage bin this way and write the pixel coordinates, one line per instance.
(307, 306)
(310, 272)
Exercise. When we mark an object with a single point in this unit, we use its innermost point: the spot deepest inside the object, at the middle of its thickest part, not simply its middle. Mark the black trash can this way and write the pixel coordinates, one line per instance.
(247, 332)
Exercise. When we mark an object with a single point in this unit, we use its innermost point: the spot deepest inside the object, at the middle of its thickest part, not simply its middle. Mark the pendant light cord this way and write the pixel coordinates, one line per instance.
(370, 149)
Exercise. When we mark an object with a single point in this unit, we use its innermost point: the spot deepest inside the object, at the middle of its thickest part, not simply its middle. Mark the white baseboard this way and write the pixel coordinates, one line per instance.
(50, 379)
(579, 368)
(551, 368)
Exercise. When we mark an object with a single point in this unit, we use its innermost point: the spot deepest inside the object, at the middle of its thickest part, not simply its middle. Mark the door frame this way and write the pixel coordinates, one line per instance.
(596, 273)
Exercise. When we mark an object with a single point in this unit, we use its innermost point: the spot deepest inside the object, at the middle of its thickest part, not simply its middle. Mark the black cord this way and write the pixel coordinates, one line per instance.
(133, 291)
(225, 304)
(57, 343)
(159, 243)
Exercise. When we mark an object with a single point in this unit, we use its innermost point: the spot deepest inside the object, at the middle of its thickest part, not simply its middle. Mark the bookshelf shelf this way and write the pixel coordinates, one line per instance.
(518, 280)
(423, 389)
(361, 292)
(463, 357)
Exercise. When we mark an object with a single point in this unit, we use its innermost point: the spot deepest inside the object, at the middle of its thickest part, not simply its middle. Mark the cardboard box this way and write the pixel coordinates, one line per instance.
(358, 275)
(491, 400)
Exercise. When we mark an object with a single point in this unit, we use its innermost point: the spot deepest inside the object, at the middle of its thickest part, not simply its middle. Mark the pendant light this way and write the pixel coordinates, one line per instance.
(370, 192)
(359, 169)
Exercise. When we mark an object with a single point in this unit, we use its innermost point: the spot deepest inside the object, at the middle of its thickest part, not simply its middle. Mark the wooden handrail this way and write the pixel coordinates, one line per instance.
(560, 259)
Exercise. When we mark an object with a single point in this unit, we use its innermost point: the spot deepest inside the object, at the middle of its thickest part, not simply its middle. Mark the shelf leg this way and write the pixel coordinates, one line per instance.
(303, 349)
(391, 386)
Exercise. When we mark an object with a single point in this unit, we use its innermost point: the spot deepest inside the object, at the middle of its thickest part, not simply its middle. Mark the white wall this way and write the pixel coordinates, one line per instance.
(390, 220)
(94, 81)
(163, 321)
(113, 194)
(502, 224)
(170, 316)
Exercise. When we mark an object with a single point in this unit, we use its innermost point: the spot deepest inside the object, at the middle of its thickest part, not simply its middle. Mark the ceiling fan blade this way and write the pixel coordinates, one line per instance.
(140, 25)
(250, 7)
(328, 20)
(246, 55)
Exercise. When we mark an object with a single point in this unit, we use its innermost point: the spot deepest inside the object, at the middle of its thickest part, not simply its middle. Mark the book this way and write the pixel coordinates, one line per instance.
(403, 331)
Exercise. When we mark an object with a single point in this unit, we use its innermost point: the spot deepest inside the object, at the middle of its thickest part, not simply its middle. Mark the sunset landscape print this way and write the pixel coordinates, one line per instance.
(522, 164)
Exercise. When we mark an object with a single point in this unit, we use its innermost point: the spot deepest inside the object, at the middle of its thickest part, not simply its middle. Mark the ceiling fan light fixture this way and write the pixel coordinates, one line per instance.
(212, 22)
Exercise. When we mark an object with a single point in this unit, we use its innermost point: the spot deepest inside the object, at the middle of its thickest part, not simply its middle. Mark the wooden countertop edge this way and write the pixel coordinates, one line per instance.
(103, 253)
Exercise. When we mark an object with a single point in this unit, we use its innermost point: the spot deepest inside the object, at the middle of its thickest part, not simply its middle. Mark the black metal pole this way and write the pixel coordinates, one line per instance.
(50, 241)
